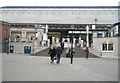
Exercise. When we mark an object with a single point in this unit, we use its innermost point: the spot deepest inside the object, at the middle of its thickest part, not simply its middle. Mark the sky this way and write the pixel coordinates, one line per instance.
(59, 3)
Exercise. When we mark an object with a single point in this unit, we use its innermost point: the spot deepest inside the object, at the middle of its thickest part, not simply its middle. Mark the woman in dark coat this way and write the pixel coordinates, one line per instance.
(52, 53)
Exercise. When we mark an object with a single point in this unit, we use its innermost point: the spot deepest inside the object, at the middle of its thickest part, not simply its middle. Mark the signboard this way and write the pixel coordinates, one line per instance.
(93, 26)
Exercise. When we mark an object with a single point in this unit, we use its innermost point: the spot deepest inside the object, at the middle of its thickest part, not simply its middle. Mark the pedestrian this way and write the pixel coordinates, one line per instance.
(76, 42)
(71, 54)
(62, 45)
(87, 52)
(52, 53)
(67, 52)
(58, 54)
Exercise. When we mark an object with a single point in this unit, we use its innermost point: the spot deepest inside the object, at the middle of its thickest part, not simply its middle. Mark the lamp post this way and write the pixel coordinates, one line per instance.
(87, 36)
(94, 32)
(72, 27)
(95, 21)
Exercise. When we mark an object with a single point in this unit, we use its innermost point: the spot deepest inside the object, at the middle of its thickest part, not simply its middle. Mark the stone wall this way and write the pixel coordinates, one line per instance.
(97, 45)
(19, 46)
(119, 46)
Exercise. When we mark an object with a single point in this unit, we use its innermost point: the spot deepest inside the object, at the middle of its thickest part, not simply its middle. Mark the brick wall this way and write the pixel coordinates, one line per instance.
(4, 35)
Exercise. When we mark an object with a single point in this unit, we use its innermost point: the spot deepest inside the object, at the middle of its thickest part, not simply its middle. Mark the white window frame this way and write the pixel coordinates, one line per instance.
(107, 47)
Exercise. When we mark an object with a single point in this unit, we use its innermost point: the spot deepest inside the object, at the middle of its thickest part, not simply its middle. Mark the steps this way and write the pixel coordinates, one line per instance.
(79, 53)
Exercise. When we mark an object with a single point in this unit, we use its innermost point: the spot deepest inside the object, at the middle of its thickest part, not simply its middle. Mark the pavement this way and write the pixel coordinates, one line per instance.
(23, 67)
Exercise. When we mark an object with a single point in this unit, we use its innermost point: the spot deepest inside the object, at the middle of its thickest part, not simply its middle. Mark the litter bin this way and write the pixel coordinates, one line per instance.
(27, 49)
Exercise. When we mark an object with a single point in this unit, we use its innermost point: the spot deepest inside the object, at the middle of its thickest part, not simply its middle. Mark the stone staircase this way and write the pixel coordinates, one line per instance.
(79, 53)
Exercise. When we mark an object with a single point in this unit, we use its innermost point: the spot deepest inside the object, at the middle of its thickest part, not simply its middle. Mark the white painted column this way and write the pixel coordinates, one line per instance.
(74, 40)
(53, 40)
(46, 31)
(94, 34)
(46, 28)
(48, 43)
(24, 33)
(22, 36)
(38, 35)
(87, 35)
(81, 43)
(103, 34)
(57, 40)
(111, 33)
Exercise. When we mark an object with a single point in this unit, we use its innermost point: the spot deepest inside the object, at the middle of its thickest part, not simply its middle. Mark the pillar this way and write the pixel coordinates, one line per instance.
(24, 33)
(103, 34)
(57, 40)
(94, 34)
(111, 33)
(46, 28)
(48, 43)
(79, 40)
(87, 36)
(53, 40)
(81, 43)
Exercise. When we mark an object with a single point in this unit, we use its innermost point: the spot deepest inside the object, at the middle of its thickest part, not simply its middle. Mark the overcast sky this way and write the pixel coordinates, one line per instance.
(59, 3)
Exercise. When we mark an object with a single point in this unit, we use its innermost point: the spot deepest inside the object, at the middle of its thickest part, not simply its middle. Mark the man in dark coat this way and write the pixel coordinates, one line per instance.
(58, 53)
(52, 53)
(71, 53)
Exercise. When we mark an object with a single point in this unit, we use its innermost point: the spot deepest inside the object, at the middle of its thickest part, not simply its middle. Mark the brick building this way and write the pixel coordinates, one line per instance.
(4, 36)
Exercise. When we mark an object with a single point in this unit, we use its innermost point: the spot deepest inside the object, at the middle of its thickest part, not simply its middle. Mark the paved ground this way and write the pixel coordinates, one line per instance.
(79, 53)
(18, 67)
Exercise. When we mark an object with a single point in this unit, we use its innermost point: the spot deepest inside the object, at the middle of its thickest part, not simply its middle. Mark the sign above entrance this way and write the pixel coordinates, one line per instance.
(78, 32)
(74, 32)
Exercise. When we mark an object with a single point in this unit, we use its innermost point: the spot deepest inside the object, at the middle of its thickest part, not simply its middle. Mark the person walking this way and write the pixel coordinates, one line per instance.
(67, 52)
(87, 52)
(62, 45)
(52, 53)
(71, 53)
(58, 54)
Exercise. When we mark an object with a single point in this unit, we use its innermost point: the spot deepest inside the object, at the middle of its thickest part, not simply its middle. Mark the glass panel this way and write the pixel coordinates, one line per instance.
(104, 47)
(110, 47)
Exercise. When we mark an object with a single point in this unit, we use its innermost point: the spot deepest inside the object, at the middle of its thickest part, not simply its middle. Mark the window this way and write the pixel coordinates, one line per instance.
(110, 47)
(107, 47)
(104, 47)
(99, 34)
